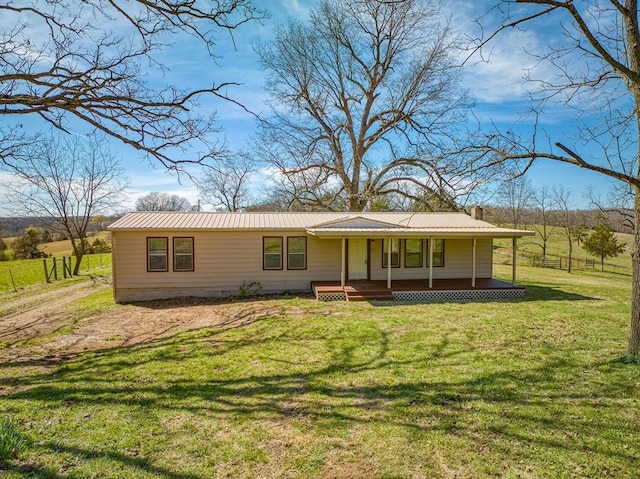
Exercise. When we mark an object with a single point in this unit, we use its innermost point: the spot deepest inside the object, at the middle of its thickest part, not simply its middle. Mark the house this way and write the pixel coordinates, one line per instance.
(405, 256)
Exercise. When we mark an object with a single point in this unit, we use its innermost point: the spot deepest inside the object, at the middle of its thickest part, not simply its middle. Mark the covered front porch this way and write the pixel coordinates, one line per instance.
(416, 290)
(446, 260)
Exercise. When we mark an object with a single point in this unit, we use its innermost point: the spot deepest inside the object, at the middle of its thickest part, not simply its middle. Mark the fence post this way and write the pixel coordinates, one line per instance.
(12, 281)
(46, 271)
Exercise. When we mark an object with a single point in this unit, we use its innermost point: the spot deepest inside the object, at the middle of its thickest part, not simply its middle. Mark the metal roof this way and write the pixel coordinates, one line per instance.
(325, 224)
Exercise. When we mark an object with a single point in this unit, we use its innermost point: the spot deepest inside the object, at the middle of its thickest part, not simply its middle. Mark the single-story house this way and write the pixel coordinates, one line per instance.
(404, 256)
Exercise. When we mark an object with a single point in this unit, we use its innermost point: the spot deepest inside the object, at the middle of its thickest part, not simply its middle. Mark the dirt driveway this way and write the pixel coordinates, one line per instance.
(47, 327)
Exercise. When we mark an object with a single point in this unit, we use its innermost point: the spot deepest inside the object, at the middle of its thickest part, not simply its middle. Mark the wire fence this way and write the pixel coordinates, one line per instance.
(504, 256)
(22, 273)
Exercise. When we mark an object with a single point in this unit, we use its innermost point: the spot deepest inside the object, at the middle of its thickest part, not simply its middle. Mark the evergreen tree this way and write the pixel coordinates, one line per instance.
(26, 246)
(602, 242)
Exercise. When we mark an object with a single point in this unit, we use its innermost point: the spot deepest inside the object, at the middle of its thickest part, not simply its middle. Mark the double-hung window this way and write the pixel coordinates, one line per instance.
(438, 253)
(157, 254)
(413, 253)
(182, 254)
(395, 252)
(296, 252)
(272, 252)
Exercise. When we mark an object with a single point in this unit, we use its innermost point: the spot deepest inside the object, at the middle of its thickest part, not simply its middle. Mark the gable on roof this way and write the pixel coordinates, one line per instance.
(355, 222)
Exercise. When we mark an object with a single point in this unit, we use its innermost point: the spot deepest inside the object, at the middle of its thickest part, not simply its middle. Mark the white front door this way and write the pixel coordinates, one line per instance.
(358, 255)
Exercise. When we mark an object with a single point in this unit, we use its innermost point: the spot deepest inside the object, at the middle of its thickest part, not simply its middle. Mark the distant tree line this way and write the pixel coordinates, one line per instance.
(27, 245)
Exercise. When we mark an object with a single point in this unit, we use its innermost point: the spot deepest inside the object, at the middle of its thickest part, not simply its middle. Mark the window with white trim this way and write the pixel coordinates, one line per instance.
(183, 254)
(272, 252)
(413, 253)
(438, 252)
(395, 252)
(157, 252)
(296, 252)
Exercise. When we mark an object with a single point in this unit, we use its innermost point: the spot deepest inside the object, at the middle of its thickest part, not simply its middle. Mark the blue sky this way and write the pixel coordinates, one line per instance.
(500, 93)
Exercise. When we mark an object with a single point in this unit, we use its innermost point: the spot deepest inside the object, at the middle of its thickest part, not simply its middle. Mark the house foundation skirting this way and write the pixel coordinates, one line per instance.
(451, 295)
(416, 290)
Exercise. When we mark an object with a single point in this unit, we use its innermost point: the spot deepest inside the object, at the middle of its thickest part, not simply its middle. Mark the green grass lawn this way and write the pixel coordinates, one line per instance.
(529, 249)
(15, 275)
(536, 387)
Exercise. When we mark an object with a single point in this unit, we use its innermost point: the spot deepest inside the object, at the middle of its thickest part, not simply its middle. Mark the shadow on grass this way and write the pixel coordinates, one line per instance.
(171, 303)
(532, 293)
(355, 381)
(37, 470)
(547, 293)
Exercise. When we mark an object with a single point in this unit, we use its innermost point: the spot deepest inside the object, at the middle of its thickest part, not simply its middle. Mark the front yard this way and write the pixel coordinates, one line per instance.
(295, 388)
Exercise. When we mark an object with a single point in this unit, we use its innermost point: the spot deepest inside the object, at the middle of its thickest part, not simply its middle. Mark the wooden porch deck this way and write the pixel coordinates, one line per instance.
(417, 289)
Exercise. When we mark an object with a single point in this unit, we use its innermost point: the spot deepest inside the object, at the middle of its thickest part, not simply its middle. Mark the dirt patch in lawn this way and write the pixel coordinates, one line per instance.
(47, 329)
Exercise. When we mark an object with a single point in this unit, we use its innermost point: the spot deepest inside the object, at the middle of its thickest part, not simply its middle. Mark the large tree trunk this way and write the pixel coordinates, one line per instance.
(634, 338)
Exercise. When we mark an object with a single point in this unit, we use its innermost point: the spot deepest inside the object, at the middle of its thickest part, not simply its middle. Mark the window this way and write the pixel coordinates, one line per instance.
(183, 254)
(272, 252)
(413, 253)
(157, 254)
(395, 252)
(438, 253)
(297, 252)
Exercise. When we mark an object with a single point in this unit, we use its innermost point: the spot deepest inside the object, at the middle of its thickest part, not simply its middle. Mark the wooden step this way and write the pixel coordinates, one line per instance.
(369, 295)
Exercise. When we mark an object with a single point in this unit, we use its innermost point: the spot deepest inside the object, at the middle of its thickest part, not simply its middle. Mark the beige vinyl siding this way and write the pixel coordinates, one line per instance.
(457, 261)
(223, 261)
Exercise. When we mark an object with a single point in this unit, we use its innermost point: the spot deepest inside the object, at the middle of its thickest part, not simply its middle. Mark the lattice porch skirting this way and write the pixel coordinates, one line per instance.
(458, 295)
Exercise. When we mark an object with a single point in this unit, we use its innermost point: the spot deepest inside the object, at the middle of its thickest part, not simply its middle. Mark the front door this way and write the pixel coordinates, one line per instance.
(358, 257)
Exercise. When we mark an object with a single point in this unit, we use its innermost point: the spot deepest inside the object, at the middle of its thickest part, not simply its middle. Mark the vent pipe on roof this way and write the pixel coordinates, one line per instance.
(476, 212)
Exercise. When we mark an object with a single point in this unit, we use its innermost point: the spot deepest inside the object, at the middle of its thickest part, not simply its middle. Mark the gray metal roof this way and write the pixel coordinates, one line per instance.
(325, 224)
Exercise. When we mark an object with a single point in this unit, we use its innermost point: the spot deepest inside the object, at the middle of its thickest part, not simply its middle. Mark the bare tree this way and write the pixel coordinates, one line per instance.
(542, 216)
(67, 180)
(226, 184)
(516, 197)
(159, 201)
(596, 58)
(76, 62)
(566, 216)
(617, 207)
(366, 99)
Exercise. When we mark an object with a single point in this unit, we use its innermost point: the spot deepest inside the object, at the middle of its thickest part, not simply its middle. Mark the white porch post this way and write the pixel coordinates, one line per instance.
(389, 262)
(514, 241)
(430, 262)
(473, 267)
(343, 271)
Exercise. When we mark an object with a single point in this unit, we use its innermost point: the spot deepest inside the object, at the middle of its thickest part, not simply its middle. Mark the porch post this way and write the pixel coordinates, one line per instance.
(430, 262)
(389, 262)
(473, 267)
(343, 272)
(514, 242)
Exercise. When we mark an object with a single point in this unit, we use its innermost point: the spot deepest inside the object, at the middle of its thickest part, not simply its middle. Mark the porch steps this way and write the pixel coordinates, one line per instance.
(378, 294)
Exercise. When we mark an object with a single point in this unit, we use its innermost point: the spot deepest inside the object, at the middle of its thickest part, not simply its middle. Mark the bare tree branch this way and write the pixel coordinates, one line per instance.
(67, 180)
(87, 60)
(365, 95)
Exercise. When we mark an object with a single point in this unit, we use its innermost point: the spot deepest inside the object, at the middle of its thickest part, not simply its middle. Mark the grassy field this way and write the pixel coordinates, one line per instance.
(557, 246)
(533, 388)
(15, 275)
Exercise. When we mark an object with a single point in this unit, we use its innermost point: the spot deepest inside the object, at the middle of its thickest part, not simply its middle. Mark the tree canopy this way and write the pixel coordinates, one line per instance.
(592, 69)
(159, 201)
(366, 102)
(67, 180)
(85, 62)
